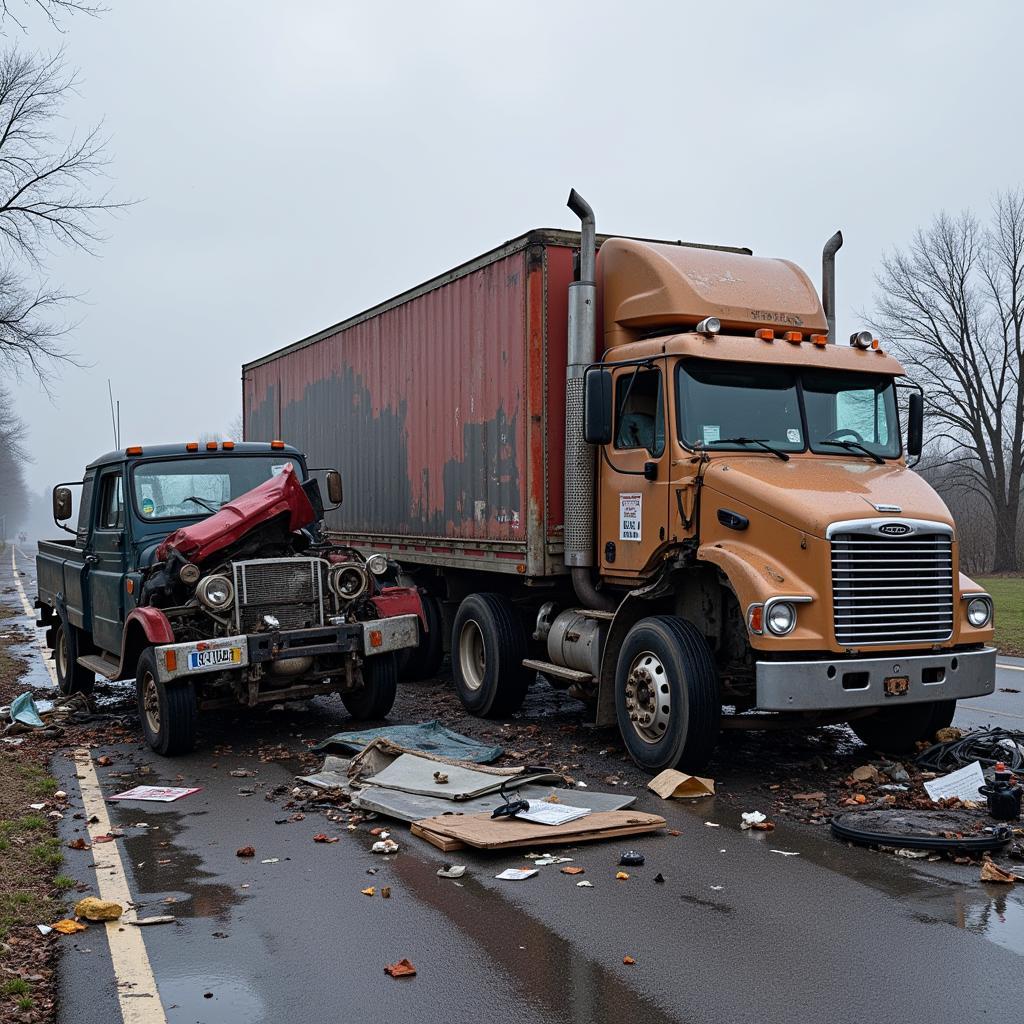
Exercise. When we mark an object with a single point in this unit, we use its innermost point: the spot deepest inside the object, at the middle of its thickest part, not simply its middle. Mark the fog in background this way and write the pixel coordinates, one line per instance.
(296, 163)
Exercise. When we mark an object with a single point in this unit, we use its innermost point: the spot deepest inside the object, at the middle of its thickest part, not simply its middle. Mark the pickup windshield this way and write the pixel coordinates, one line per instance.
(840, 413)
(193, 488)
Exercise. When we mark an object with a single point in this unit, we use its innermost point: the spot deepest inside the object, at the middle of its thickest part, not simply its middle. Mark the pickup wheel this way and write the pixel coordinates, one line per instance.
(71, 677)
(167, 710)
(380, 685)
(424, 660)
(898, 730)
(666, 695)
(488, 648)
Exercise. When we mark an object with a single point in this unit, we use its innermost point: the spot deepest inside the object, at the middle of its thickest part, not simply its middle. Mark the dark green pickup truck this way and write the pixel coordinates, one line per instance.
(201, 572)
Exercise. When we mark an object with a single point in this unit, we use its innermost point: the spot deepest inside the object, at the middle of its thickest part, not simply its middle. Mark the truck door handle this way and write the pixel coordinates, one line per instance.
(91, 559)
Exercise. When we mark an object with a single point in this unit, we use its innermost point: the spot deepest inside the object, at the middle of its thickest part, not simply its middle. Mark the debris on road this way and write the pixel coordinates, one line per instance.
(672, 784)
(573, 871)
(402, 969)
(441, 778)
(584, 885)
(756, 820)
(424, 737)
(621, 876)
(987, 746)
(68, 927)
(385, 892)
(962, 784)
(631, 858)
(659, 878)
(143, 922)
(786, 853)
(23, 711)
(157, 794)
(516, 874)
(385, 846)
(451, 871)
(245, 851)
(323, 837)
(951, 830)
(93, 909)
(79, 844)
(628, 961)
(991, 872)
(370, 890)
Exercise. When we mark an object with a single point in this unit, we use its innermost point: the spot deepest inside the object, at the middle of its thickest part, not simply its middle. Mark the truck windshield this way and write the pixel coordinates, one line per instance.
(744, 407)
(197, 486)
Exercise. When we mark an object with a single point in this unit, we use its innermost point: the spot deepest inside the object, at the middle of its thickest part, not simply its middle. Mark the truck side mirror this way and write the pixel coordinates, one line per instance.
(335, 491)
(597, 406)
(61, 504)
(915, 424)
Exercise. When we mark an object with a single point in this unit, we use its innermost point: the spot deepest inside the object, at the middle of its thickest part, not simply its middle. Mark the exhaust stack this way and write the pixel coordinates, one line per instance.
(828, 282)
(579, 456)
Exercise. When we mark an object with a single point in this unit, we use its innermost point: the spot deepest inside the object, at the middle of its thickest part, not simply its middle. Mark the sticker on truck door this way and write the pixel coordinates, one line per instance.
(630, 516)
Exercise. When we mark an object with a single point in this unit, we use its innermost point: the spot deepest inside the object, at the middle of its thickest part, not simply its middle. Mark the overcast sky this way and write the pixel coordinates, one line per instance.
(297, 162)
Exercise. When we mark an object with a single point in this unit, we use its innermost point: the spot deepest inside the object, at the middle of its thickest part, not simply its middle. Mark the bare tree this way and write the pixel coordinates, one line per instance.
(48, 200)
(952, 305)
(52, 10)
(236, 430)
(14, 496)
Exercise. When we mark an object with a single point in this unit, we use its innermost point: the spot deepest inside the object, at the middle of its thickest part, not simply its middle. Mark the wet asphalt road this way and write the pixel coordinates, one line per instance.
(736, 933)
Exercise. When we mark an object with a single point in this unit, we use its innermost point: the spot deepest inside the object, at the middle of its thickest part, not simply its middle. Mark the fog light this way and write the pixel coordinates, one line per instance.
(781, 618)
(979, 612)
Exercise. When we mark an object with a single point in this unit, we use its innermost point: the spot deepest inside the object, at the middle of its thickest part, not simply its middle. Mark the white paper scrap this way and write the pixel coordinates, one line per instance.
(517, 874)
(786, 853)
(963, 783)
(159, 794)
(543, 813)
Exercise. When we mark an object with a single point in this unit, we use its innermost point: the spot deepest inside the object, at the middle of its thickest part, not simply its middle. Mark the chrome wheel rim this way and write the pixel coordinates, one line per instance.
(61, 654)
(648, 697)
(472, 660)
(151, 704)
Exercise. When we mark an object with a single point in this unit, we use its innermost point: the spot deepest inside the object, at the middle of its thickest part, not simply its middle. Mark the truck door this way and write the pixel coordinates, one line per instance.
(634, 506)
(105, 559)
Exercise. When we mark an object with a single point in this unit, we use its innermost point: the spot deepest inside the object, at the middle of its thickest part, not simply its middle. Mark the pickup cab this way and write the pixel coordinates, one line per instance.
(202, 573)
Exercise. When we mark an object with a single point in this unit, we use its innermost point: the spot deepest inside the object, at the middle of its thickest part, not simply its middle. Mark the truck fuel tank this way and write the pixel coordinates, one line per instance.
(576, 641)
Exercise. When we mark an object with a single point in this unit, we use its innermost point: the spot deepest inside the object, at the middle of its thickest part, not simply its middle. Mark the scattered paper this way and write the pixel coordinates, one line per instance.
(786, 853)
(671, 784)
(159, 794)
(541, 812)
(402, 969)
(584, 885)
(44, 929)
(752, 818)
(712, 824)
(517, 874)
(963, 784)
(451, 871)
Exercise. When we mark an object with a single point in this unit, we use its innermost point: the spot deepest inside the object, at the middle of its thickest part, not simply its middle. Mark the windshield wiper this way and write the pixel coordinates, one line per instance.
(856, 446)
(200, 501)
(752, 440)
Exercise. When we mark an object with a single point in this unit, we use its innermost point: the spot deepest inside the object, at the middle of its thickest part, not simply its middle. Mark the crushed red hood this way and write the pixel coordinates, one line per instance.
(279, 495)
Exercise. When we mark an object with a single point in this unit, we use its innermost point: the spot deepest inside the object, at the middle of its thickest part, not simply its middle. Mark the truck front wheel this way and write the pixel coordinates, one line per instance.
(71, 677)
(380, 685)
(898, 730)
(666, 695)
(167, 710)
(488, 647)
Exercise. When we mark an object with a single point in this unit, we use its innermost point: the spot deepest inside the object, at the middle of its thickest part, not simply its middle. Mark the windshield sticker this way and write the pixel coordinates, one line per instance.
(148, 507)
(279, 469)
(793, 435)
(630, 516)
(712, 432)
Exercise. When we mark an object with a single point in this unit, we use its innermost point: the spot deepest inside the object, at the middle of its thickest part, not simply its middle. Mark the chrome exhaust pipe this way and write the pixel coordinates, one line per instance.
(828, 282)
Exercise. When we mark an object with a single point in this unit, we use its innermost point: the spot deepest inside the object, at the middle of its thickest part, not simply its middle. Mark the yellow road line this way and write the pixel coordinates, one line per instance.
(40, 642)
(136, 987)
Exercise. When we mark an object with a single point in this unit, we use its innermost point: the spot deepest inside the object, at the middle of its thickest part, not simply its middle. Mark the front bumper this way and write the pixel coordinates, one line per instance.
(225, 654)
(860, 682)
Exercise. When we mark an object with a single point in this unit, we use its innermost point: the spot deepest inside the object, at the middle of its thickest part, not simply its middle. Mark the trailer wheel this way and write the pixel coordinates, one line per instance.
(377, 695)
(167, 710)
(424, 660)
(666, 695)
(488, 648)
(898, 730)
(71, 677)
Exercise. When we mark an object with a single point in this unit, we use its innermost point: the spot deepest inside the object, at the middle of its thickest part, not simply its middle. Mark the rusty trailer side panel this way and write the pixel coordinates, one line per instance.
(444, 410)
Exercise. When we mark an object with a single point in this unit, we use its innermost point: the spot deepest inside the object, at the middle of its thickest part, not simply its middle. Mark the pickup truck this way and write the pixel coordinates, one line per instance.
(202, 573)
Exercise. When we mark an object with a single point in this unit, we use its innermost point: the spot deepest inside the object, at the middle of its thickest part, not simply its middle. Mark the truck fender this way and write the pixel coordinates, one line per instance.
(749, 577)
(144, 627)
(400, 601)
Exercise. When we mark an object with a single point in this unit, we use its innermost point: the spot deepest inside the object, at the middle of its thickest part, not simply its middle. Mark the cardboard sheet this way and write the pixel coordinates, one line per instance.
(672, 784)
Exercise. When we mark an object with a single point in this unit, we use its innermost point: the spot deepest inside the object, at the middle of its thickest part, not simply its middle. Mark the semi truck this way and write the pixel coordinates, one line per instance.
(201, 572)
(649, 472)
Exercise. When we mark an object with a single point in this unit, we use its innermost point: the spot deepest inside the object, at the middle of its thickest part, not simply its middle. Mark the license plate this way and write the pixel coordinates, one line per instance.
(896, 686)
(218, 656)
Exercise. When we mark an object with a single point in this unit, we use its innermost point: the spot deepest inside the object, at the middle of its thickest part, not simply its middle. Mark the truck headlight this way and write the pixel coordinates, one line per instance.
(979, 611)
(349, 581)
(377, 564)
(780, 618)
(216, 592)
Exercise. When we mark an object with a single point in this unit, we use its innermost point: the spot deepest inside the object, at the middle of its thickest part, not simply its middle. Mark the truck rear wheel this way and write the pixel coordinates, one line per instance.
(167, 710)
(488, 647)
(898, 730)
(424, 660)
(666, 695)
(71, 677)
(380, 685)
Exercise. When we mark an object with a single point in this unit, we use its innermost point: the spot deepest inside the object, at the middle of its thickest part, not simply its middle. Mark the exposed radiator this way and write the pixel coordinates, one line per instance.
(290, 589)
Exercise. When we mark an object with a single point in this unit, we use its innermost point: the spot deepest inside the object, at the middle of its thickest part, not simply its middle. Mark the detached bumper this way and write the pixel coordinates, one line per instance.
(377, 636)
(874, 682)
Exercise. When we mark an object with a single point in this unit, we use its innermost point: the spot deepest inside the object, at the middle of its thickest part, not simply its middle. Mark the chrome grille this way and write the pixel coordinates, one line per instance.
(892, 590)
(290, 589)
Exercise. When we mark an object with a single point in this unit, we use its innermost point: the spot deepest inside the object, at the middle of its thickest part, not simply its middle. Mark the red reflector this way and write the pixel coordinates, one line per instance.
(376, 638)
(756, 619)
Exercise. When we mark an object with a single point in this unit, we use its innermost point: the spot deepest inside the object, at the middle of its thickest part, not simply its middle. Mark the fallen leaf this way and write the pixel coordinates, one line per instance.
(104, 838)
(103, 761)
(402, 969)
(245, 851)
(79, 844)
(865, 773)
(859, 798)
(621, 875)
(572, 871)
(68, 927)
(323, 837)
(674, 832)
(369, 891)
(628, 961)
(991, 872)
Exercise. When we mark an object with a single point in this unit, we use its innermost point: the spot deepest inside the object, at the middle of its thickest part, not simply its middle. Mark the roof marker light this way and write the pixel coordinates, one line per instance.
(228, 445)
(211, 446)
(820, 339)
(794, 336)
(277, 445)
(765, 334)
(862, 339)
(191, 446)
(709, 326)
(135, 449)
